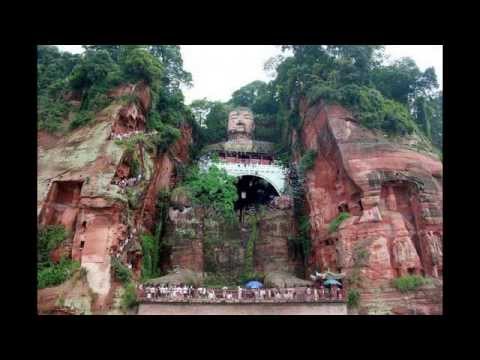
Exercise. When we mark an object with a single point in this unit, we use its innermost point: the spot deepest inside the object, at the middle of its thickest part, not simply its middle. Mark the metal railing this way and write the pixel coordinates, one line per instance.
(292, 295)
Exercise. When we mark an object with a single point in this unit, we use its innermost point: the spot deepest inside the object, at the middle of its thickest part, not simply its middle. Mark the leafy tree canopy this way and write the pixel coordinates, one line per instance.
(214, 188)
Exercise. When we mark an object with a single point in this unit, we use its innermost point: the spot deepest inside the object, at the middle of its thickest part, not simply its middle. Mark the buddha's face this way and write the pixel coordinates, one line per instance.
(240, 122)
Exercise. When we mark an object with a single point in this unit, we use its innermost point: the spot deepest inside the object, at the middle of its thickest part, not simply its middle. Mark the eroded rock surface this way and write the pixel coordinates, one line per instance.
(392, 191)
(75, 187)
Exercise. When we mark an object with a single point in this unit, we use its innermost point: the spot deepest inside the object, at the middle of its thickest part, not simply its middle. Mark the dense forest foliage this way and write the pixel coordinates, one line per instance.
(88, 77)
(397, 98)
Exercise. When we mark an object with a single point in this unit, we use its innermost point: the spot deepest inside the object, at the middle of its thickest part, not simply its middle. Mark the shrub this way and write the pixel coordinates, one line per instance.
(129, 297)
(307, 161)
(353, 298)
(150, 251)
(133, 197)
(213, 187)
(138, 64)
(323, 90)
(81, 119)
(120, 271)
(98, 102)
(166, 136)
(249, 252)
(57, 273)
(409, 283)
(337, 221)
(51, 113)
(128, 99)
(49, 237)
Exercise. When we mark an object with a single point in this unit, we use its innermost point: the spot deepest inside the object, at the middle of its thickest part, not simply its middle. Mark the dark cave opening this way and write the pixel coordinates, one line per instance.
(67, 192)
(253, 192)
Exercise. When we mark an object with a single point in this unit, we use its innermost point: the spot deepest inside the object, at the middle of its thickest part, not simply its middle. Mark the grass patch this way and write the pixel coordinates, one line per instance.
(409, 283)
(129, 297)
(307, 161)
(56, 274)
(81, 119)
(353, 298)
(337, 221)
(120, 271)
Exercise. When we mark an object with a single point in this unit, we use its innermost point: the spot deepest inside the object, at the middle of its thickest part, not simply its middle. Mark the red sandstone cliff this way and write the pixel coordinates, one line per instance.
(75, 187)
(392, 192)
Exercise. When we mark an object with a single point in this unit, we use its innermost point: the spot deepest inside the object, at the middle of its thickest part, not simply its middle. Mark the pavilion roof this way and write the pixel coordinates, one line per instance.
(328, 275)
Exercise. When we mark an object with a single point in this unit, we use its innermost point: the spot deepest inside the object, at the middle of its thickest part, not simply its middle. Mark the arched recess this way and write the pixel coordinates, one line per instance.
(254, 191)
(277, 190)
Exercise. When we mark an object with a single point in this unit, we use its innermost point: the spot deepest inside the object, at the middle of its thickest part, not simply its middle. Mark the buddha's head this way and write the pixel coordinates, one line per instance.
(240, 123)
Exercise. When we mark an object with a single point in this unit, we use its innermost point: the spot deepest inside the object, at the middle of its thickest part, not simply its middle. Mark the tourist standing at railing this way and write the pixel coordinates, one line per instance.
(339, 293)
(308, 292)
(211, 295)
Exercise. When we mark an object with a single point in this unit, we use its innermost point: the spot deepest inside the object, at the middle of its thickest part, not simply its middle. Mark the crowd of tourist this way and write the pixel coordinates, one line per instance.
(125, 136)
(118, 251)
(124, 182)
(151, 292)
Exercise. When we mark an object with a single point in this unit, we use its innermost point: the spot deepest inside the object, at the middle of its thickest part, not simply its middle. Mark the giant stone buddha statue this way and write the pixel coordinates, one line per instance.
(240, 125)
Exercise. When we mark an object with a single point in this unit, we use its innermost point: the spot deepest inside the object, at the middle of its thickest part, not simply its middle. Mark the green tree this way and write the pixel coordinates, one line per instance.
(49, 238)
(200, 109)
(171, 58)
(114, 51)
(436, 121)
(138, 64)
(92, 69)
(403, 81)
(216, 122)
(214, 188)
(53, 67)
(247, 95)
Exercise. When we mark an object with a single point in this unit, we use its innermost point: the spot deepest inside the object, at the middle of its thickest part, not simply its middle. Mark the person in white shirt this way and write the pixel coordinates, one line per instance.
(308, 292)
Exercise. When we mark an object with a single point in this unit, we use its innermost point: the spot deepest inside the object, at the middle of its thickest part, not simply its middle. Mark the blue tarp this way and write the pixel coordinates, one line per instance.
(254, 285)
(331, 282)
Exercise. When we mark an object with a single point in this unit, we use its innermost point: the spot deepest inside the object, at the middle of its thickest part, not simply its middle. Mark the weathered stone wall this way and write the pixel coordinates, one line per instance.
(193, 229)
(243, 309)
(185, 235)
(427, 300)
(271, 247)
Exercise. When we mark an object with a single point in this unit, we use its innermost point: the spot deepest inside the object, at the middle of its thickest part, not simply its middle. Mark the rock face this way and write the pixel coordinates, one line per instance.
(392, 192)
(185, 235)
(271, 247)
(202, 242)
(75, 188)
